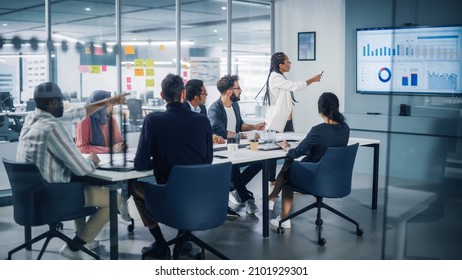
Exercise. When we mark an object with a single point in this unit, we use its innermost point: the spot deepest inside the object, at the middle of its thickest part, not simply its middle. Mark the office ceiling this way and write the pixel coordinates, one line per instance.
(203, 21)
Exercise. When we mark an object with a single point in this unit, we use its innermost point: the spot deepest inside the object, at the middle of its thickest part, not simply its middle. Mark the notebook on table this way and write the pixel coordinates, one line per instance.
(120, 162)
(268, 147)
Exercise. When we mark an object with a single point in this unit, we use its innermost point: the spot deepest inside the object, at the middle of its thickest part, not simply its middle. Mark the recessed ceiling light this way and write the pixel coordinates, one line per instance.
(5, 24)
(221, 39)
(87, 9)
(223, 8)
(215, 30)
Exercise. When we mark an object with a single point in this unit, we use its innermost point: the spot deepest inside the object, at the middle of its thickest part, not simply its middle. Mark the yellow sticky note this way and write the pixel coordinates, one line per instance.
(139, 62)
(149, 82)
(129, 49)
(139, 72)
(149, 71)
(149, 62)
(95, 69)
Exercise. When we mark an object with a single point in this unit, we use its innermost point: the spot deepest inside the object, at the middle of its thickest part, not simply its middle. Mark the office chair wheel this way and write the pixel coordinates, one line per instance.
(200, 256)
(319, 222)
(321, 241)
(280, 230)
(60, 226)
(359, 232)
(131, 226)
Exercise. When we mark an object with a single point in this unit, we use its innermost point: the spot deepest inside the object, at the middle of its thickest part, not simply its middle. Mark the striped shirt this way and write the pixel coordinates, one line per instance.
(46, 141)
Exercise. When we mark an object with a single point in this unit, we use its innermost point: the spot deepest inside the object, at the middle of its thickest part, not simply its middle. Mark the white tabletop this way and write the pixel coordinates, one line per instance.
(243, 155)
(14, 114)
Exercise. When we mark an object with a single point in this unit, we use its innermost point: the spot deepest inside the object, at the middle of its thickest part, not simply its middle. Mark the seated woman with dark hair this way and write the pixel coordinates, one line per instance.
(333, 132)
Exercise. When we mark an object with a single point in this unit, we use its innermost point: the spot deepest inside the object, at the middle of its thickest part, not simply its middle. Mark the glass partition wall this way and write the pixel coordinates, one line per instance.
(214, 38)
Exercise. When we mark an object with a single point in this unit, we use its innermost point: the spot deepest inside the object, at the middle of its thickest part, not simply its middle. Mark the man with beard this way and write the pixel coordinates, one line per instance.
(225, 117)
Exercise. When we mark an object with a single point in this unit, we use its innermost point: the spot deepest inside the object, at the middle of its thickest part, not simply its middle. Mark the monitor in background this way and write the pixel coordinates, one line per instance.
(6, 101)
(411, 60)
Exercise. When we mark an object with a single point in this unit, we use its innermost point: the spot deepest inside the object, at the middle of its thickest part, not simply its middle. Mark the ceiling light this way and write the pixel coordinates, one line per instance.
(223, 8)
(153, 43)
(67, 38)
(87, 9)
(215, 30)
(5, 24)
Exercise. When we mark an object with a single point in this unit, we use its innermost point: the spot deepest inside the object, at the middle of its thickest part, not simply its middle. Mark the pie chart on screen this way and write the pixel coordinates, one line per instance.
(384, 74)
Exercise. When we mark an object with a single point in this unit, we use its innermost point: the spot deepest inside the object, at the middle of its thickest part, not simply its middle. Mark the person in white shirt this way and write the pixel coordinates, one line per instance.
(225, 117)
(279, 94)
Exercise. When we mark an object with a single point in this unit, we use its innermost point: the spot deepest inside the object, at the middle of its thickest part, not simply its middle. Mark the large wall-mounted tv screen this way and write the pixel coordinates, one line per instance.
(414, 60)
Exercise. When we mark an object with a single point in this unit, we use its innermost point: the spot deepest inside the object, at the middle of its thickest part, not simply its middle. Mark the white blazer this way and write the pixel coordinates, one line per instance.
(281, 102)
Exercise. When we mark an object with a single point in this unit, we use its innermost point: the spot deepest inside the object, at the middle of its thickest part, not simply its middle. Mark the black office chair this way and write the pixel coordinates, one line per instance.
(135, 113)
(30, 105)
(37, 202)
(195, 198)
(328, 178)
(7, 134)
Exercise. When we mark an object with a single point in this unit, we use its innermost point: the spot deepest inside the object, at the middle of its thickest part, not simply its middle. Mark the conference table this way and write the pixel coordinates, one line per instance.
(243, 156)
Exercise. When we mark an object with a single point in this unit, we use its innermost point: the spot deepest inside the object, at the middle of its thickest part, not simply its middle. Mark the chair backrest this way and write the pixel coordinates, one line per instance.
(135, 108)
(4, 123)
(37, 202)
(196, 197)
(330, 177)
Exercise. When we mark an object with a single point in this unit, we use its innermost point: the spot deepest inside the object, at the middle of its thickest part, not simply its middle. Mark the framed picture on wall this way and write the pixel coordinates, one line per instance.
(306, 45)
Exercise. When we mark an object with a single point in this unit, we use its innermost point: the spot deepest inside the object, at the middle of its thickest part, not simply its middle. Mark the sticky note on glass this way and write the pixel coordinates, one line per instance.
(149, 82)
(149, 62)
(149, 71)
(139, 62)
(129, 50)
(95, 69)
(84, 69)
(139, 72)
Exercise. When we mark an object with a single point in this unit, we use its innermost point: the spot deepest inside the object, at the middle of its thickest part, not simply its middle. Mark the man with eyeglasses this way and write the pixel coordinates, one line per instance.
(225, 118)
(196, 95)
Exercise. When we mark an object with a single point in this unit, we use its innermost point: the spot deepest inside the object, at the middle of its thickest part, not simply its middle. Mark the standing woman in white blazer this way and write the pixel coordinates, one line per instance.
(279, 94)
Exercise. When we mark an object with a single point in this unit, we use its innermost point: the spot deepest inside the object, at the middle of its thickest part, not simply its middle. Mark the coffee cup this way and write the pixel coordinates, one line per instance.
(232, 149)
(254, 144)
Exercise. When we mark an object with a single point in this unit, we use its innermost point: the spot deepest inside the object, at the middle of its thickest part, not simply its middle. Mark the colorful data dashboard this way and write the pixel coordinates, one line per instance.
(417, 60)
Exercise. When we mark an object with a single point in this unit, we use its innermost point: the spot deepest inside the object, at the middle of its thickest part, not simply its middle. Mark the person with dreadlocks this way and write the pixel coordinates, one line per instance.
(279, 94)
(280, 98)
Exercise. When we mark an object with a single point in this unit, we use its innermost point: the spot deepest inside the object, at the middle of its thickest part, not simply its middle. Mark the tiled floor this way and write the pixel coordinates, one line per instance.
(242, 239)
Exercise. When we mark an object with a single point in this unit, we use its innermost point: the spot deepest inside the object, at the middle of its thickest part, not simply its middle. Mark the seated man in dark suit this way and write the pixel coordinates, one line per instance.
(196, 95)
(225, 118)
(162, 145)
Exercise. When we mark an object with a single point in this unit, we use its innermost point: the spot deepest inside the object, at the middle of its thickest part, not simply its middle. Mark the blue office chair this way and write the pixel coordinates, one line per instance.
(37, 202)
(195, 198)
(328, 178)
